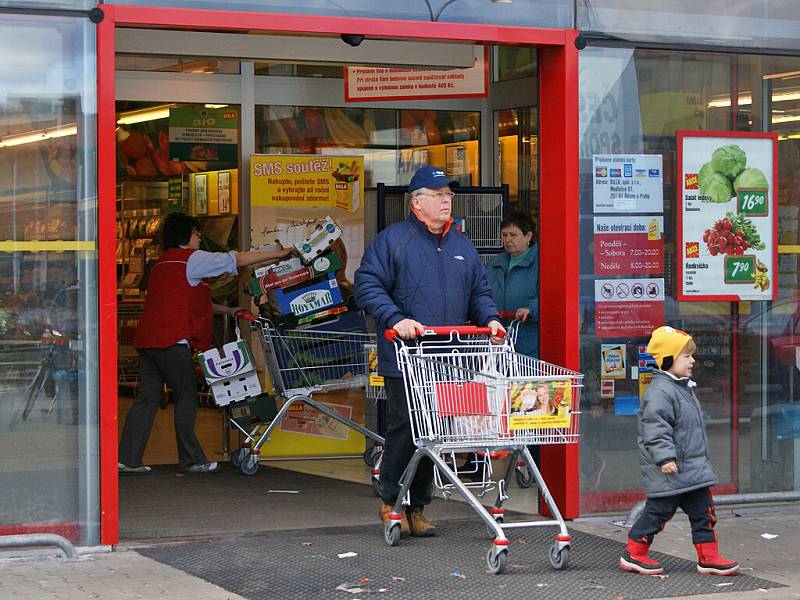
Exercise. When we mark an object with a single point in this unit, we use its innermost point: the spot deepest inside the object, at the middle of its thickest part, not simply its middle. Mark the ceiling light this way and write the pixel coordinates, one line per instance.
(145, 114)
(38, 136)
(215, 105)
(786, 119)
(785, 75)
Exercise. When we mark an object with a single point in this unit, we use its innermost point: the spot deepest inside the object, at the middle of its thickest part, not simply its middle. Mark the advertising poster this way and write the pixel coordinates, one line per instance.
(628, 183)
(628, 307)
(209, 135)
(612, 361)
(540, 404)
(727, 216)
(302, 418)
(629, 245)
(307, 181)
(364, 84)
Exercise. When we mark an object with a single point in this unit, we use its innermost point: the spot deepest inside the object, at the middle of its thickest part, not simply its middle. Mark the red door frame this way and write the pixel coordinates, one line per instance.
(558, 134)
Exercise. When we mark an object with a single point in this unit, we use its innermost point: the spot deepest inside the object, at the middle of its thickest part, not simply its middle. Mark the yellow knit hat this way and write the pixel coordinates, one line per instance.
(667, 342)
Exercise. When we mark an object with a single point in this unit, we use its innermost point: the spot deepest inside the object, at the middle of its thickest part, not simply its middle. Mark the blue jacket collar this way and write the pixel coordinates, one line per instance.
(530, 258)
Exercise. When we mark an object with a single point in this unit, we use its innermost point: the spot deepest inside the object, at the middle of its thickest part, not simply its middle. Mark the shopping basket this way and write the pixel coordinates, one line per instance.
(302, 363)
(466, 394)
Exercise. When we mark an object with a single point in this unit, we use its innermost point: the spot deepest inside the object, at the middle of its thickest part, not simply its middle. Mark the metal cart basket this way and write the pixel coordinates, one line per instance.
(468, 395)
(303, 363)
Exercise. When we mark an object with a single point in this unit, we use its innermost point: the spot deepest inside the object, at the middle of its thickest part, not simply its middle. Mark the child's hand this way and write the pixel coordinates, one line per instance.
(669, 468)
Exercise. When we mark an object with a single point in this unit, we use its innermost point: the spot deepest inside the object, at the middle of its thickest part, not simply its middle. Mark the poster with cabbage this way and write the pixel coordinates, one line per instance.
(727, 216)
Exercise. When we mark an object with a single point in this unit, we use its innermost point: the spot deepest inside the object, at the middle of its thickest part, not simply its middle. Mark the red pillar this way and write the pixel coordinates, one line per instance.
(107, 274)
(559, 246)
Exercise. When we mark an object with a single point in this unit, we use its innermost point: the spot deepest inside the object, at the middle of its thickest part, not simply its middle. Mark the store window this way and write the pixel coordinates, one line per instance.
(176, 64)
(763, 24)
(49, 477)
(529, 13)
(631, 103)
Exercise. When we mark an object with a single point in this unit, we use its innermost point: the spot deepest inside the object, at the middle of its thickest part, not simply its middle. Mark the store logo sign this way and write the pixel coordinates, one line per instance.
(690, 181)
(692, 249)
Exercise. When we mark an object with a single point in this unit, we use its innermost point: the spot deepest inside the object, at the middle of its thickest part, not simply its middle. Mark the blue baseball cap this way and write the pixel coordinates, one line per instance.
(432, 178)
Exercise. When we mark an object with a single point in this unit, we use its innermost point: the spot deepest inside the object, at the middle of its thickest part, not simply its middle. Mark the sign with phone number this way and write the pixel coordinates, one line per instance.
(727, 229)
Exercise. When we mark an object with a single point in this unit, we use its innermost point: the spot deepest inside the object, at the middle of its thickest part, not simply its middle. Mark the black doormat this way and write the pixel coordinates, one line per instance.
(304, 564)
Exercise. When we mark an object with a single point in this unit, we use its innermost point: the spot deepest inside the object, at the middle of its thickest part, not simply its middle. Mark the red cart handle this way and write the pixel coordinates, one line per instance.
(391, 334)
(246, 314)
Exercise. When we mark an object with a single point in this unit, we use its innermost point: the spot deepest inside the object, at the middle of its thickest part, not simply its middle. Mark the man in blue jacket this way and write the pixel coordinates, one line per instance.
(417, 273)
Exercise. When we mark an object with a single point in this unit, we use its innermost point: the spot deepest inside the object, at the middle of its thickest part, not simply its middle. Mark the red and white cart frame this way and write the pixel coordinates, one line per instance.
(463, 396)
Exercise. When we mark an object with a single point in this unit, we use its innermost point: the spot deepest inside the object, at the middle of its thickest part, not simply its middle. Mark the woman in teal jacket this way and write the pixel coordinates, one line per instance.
(514, 277)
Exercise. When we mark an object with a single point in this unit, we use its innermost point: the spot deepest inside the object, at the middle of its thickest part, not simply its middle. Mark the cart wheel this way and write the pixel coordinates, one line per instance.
(497, 560)
(391, 533)
(498, 519)
(238, 456)
(559, 558)
(370, 454)
(249, 465)
(524, 477)
(377, 488)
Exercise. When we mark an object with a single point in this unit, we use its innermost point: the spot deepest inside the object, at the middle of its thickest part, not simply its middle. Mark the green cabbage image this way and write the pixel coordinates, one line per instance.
(751, 178)
(705, 173)
(717, 187)
(729, 160)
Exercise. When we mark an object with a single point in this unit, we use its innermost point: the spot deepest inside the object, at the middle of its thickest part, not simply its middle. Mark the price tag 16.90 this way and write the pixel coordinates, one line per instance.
(752, 202)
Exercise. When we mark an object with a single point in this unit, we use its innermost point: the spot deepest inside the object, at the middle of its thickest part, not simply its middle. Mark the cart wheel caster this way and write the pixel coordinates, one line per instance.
(559, 558)
(490, 530)
(497, 560)
(238, 456)
(249, 465)
(377, 488)
(391, 533)
(370, 454)
(524, 477)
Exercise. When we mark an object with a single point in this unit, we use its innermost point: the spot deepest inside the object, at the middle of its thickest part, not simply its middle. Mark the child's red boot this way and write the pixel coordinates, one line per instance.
(710, 562)
(636, 559)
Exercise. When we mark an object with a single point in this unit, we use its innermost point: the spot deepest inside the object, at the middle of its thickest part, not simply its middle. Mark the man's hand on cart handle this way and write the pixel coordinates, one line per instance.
(408, 329)
(498, 332)
(493, 329)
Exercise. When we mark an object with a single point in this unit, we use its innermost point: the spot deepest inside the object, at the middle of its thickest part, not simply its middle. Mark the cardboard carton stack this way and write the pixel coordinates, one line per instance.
(305, 288)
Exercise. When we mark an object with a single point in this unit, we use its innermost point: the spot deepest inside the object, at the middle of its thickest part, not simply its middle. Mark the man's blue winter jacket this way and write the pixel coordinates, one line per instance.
(408, 273)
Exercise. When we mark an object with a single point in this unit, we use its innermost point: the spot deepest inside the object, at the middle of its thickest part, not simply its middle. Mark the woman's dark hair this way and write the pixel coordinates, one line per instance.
(177, 230)
(521, 221)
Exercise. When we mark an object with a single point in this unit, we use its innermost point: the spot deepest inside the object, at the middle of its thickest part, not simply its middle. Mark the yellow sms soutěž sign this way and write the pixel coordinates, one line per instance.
(307, 180)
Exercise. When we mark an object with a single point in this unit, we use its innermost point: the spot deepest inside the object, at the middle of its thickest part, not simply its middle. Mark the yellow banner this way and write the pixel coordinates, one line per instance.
(307, 180)
(540, 405)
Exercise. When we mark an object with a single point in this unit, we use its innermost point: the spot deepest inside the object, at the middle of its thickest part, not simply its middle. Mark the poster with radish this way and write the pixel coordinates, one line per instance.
(727, 216)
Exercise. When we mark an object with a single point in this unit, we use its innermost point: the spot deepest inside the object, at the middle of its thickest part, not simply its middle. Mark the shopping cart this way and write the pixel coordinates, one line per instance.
(301, 364)
(375, 392)
(468, 395)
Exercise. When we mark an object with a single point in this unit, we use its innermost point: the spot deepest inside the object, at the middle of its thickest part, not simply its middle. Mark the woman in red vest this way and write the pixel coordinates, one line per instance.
(176, 320)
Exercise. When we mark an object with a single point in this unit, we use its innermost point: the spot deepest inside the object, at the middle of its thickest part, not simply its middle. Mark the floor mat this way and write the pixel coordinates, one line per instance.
(307, 564)
(166, 504)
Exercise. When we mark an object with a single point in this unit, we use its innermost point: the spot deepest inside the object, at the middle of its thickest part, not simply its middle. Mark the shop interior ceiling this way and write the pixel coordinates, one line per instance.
(296, 49)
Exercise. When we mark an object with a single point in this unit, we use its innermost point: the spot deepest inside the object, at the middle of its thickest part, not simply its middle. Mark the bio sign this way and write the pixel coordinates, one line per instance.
(727, 216)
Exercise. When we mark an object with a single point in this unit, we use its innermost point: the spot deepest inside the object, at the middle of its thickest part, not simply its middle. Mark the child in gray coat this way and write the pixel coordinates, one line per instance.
(673, 453)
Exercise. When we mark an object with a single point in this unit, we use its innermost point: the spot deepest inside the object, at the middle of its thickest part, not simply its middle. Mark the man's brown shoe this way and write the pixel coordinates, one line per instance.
(383, 513)
(420, 526)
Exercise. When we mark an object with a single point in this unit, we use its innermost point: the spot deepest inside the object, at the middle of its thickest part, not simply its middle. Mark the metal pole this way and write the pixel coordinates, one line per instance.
(39, 539)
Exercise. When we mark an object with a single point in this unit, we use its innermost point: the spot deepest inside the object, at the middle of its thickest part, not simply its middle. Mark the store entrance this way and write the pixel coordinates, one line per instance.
(187, 128)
